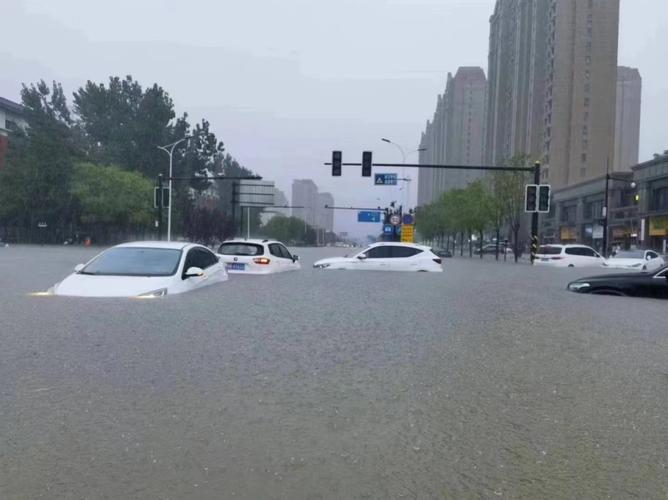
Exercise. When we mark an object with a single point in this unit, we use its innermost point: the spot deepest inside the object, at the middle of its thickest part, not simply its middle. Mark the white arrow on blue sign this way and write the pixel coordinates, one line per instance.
(368, 216)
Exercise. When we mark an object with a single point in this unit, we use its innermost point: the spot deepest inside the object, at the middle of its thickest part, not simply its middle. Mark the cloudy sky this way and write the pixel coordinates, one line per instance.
(283, 82)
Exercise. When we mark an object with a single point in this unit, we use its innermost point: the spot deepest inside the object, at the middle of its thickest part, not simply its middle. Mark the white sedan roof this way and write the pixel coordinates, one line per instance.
(176, 245)
(253, 241)
(400, 244)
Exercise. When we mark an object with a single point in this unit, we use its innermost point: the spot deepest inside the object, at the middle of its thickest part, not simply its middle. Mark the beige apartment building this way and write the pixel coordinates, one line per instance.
(627, 120)
(552, 86)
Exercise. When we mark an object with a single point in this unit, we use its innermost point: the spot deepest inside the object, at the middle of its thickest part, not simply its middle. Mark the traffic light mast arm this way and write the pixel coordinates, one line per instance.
(452, 167)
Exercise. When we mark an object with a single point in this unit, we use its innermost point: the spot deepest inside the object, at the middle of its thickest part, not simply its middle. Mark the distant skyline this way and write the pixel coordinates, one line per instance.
(284, 83)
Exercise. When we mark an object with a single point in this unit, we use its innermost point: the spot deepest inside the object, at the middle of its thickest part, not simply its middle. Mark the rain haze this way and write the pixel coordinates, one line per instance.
(285, 82)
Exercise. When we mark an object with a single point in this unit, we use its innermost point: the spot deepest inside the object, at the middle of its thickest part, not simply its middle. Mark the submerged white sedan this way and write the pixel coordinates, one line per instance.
(387, 256)
(247, 256)
(144, 269)
(636, 260)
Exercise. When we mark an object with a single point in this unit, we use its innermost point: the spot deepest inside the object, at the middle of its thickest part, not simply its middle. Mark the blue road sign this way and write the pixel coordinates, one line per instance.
(408, 219)
(385, 179)
(368, 216)
(388, 229)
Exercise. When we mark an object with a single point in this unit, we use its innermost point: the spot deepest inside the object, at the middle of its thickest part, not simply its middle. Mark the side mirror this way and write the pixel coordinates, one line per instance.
(78, 268)
(194, 271)
(362, 256)
(295, 258)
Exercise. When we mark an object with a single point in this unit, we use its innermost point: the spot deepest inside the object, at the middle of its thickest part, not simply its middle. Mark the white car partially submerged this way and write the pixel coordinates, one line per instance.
(144, 269)
(636, 260)
(570, 255)
(387, 256)
(253, 256)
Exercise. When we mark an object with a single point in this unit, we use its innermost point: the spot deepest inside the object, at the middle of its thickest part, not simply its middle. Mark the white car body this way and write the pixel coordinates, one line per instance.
(387, 256)
(204, 267)
(252, 256)
(570, 255)
(635, 260)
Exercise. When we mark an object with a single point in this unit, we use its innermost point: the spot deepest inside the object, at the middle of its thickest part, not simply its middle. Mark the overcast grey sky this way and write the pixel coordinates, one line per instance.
(283, 82)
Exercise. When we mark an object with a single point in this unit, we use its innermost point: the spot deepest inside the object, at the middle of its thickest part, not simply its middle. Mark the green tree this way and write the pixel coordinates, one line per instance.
(34, 185)
(111, 200)
(509, 193)
(290, 230)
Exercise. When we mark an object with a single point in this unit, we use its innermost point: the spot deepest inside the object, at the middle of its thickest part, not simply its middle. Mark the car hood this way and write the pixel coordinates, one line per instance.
(83, 285)
(624, 262)
(334, 260)
(605, 277)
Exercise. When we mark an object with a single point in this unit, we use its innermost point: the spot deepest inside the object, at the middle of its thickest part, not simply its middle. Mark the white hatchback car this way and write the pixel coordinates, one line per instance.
(387, 256)
(144, 269)
(257, 257)
(568, 256)
(636, 260)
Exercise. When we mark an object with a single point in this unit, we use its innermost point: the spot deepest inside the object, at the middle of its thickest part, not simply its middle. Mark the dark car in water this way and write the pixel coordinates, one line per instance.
(442, 252)
(627, 284)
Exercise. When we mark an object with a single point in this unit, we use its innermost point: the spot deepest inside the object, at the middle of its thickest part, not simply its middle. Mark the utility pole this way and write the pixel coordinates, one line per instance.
(159, 203)
(534, 216)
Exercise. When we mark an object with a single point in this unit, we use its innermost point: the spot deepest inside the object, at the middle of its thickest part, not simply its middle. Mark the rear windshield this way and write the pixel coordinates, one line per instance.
(549, 250)
(240, 249)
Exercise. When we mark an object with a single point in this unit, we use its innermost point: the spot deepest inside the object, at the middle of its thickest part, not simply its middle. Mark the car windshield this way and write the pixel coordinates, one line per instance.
(240, 249)
(629, 254)
(549, 250)
(135, 261)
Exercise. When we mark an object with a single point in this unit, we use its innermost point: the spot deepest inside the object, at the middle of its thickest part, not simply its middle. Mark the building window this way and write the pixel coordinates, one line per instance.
(583, 172)
(568, 213)
(593, 209)
(659, 200)
(583, 157)
(586, 103)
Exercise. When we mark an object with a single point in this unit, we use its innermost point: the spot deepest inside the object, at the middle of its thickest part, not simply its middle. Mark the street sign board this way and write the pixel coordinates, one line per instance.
(388, 229)
(395, 219)
(385, 179)
(407, 219)
(250, 193)
(408, 233)
(368, 216)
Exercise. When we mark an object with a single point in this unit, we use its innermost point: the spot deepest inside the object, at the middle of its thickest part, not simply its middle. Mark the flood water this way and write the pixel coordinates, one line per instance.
(488, 380)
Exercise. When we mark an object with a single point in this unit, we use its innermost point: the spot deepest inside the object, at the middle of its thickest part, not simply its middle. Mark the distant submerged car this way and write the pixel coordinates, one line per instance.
(257, 257)
(387, 256)
(144, 269)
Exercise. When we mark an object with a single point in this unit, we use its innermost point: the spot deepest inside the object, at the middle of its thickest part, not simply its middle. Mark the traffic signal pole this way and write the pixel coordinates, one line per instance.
(159, 203)
(534, 216)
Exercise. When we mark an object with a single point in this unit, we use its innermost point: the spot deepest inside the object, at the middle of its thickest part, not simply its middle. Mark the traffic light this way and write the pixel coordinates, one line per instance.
(366, 164)
(336, 163)
(544, 198)
(636, 199)
(530, 198)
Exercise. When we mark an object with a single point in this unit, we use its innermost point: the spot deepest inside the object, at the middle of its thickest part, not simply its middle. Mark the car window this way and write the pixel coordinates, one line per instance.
(207, 257)
(574, 251)
(285, 252)
(652, 255)
(628, 254)
(240, 248)
(275, 250)
(381, 252)
(399, 252)
(550, 250)
(587, 252)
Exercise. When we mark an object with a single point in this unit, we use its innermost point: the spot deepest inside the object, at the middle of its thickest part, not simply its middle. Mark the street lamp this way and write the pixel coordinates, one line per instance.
(605, 211)
(403, 157)
(169, 149)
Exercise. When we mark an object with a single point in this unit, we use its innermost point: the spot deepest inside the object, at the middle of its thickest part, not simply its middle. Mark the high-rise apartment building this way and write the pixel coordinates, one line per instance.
(552, 85)
(627, 120)
(455, 135)
(325, 216)
(305, 194)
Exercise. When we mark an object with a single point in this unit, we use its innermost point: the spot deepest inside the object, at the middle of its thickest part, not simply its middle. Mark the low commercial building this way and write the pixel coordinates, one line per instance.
(637, 209)
(11, 116)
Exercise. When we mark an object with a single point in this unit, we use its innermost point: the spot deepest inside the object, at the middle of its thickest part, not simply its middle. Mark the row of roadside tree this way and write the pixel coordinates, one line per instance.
(492, 205)
(89, 168)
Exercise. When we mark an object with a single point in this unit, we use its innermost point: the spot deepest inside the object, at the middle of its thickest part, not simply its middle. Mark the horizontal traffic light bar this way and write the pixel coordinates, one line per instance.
(214, 177)
(453, 167)
(378, 209)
